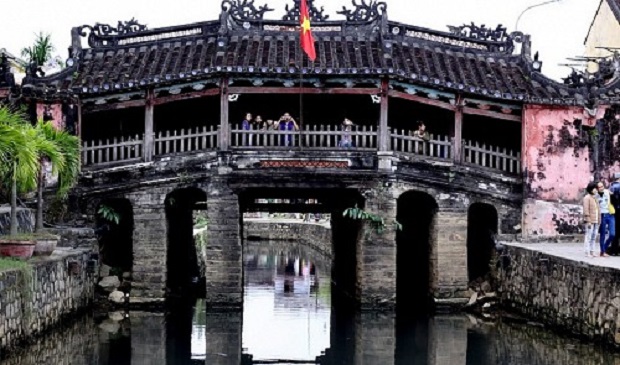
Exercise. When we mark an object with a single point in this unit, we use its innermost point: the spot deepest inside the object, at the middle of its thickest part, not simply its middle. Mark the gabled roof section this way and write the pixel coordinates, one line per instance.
(615, 8)
(468, 59)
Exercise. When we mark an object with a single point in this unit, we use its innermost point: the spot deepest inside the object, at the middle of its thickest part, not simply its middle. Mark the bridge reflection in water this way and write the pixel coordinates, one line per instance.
(291, 314)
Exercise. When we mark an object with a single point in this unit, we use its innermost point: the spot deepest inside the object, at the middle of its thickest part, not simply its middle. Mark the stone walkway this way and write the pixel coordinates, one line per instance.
(571, 251)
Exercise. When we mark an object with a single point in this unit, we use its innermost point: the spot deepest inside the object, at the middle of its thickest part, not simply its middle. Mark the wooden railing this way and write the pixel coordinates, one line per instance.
(186, 140)
(325, 137)
(109, 151)
(437, 146)
(491, 157)
(360, 138)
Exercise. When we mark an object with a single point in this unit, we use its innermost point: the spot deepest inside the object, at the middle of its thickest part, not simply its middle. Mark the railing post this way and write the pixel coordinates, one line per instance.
(384, 132)
(457, 138)
(224, 124)
(149, 140)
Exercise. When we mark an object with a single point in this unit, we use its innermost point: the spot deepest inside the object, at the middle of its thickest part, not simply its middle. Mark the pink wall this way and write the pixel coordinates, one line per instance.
(556, 158)
(56, 111)
(557, 163)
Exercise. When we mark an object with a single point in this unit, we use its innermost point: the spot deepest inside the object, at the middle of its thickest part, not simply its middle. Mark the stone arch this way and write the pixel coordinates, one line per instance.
(182, 261)
(416, 212)
(114, 225)
(482, 228)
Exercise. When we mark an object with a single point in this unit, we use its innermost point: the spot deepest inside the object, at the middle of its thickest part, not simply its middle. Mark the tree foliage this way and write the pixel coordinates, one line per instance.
(41, 51)
(376, 222)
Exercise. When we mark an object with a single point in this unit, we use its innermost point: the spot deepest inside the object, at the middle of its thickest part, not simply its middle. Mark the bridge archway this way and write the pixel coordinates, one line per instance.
(114, 224)
(416, 213)
(182, 259)
(482, 226)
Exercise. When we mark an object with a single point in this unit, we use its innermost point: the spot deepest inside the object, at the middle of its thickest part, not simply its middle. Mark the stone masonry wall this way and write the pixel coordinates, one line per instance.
(78, 342)
(62, 284)
(581, 299)
(150, 245)
(317, 236)
(224, 267)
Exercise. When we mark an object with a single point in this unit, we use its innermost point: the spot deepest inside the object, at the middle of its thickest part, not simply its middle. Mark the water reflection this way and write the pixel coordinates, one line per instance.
(288, 314)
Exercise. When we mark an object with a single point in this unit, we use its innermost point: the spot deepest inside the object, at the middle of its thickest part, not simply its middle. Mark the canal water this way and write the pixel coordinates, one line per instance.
(289, 318)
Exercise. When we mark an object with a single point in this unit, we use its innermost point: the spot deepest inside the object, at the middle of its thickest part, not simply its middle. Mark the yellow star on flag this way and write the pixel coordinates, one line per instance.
(305, 25)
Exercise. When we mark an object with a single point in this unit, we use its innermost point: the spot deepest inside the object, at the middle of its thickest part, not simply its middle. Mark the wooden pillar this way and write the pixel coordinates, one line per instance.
(457, 135)
(224, 125)
(149, 133)
(384, 133)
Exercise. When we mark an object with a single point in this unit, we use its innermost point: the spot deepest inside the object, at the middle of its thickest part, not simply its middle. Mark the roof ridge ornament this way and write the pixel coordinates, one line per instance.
(365, 11)
(481, 33)
(292, 14)
(104, 30)
(245, 9)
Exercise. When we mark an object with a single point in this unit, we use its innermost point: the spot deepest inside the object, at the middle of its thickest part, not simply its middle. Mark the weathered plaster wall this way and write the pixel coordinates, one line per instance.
(54, 111)
(581, 299)
(62, 284)
(557, 158)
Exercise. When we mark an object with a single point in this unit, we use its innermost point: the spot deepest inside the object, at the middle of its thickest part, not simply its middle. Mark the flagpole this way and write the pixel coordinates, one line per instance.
(301, 104)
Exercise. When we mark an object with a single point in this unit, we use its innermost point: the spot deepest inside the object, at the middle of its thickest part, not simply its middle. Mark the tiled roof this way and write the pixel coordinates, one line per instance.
(615, 8)
(469, 59)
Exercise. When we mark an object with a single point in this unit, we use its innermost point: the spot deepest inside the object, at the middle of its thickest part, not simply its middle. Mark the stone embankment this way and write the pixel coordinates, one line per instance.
(556, 285)
(316, 235)
(37, 297)
(25, 220)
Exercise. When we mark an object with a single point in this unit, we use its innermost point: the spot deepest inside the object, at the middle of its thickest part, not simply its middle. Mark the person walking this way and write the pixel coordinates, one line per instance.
(591, 218)
(614, 190)
(608, 221)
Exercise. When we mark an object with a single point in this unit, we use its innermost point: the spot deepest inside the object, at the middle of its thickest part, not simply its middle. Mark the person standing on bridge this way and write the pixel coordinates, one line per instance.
(246, 125)
(591, 218)
(608, 220)
(614, 190)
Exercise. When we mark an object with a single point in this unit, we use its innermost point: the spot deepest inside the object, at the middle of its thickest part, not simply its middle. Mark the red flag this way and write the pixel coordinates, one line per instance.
(307, 40)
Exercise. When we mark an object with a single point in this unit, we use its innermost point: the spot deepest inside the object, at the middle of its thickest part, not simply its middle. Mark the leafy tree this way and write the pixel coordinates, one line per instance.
(62, 150)
(41, 51)
(19, 162)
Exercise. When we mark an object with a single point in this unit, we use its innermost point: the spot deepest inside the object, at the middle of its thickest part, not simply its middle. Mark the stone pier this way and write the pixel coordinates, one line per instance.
(447, 340)
(376, 255)
(148, 338)
(448, 262)
(223, 336)
(224, 264)
(150, 246)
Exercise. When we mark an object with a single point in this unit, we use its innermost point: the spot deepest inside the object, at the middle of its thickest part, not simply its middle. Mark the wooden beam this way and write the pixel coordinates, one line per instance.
(186, 96)
(491, 114)
(303, 90)
(458, 131)
(384, 132)
(422, 100)
(149, 133)
(95, 108)
(224, 123)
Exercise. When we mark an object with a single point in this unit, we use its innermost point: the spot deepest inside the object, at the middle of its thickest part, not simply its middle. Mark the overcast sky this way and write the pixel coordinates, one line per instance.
(558, 29)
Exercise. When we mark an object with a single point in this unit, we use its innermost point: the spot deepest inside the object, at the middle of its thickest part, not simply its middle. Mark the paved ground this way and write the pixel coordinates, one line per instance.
(572, 251)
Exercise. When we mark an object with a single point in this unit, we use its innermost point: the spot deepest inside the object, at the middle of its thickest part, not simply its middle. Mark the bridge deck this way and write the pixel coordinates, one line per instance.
(570, 251)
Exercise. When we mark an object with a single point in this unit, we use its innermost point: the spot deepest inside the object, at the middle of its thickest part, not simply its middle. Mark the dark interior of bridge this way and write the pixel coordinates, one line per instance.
(415, 212)
(115, 239)
(186, 114)
(482, 224)
(183, 271)
(404, 115)
(497, 133)
(127, 122)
